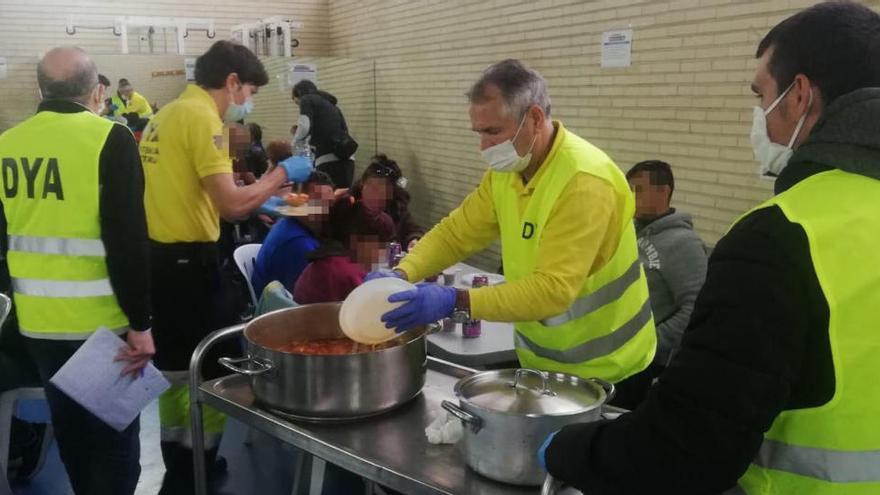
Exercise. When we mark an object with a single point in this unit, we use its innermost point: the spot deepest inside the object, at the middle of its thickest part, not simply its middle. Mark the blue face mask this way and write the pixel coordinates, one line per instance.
(236, 112)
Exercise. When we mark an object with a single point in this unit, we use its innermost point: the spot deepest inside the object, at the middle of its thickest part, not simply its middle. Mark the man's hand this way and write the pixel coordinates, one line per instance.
(297, 168)
(425, 304)
(270, 206)
(542, 452)
(137, 353)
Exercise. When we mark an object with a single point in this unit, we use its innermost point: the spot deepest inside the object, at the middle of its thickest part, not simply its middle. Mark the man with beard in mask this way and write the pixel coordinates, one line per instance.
(774, 387)
(575, 289)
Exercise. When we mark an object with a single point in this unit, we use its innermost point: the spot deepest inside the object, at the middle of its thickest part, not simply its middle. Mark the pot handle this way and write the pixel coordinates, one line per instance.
(610, 389)
(545, 385)
(467, 418)
(551, 486)
(260, 366)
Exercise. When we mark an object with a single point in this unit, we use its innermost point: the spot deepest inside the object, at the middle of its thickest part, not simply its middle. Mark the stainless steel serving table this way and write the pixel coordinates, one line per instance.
(390, 449)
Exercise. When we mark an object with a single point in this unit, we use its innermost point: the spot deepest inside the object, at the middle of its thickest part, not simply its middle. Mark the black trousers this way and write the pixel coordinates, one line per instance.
(340, 171)
(99, 460)
(191, 298)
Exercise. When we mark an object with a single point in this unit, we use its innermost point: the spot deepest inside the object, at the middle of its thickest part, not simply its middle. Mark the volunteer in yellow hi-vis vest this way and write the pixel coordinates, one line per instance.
(126, 100)
(189, 186)
(75, 241)
(774, 389)
(835, 447)
(563, 211)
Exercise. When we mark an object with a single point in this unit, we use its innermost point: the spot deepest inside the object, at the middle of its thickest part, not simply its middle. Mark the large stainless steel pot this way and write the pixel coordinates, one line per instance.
(326, 388)
(507, 415)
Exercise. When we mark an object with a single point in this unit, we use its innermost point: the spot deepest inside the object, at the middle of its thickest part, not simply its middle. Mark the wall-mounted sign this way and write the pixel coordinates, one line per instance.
(617, 48)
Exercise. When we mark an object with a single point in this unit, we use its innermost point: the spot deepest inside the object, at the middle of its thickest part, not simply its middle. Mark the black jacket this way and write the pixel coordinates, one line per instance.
(122, 217)
(327, 124)
(757, 344)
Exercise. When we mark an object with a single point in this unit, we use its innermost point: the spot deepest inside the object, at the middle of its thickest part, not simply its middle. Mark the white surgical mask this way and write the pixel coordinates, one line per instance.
(503, 157)
(236, 112)
(773, 157)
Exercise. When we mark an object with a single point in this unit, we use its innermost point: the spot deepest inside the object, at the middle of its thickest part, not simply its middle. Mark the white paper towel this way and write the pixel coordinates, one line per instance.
(445, 428)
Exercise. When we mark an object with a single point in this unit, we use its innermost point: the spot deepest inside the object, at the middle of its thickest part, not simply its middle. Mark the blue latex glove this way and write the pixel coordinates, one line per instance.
(383, 274)
(270, 207)
(426, 304)
(542, 452)
(298, 168)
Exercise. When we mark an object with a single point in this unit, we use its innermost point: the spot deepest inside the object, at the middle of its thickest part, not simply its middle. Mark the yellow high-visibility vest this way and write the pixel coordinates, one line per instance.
(57, 260)
(608, 332)
(834, 448)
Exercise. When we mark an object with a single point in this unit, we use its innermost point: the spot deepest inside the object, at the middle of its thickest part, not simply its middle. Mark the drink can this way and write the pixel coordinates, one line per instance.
(472, 329)
(448, 325)
(393, 250)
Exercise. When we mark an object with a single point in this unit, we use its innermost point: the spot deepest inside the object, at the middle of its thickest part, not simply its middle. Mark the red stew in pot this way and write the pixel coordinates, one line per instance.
(330, 347)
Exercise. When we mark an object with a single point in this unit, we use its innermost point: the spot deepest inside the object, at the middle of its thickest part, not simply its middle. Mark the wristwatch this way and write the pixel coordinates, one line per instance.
(462, 312)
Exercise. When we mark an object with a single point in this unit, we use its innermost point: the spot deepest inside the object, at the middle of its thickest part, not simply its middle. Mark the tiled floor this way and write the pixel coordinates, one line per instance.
(265, 467)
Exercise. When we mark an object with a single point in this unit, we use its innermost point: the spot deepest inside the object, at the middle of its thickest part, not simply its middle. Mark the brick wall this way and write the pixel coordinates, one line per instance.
(350, 80)
(685, 99)
(28, 28)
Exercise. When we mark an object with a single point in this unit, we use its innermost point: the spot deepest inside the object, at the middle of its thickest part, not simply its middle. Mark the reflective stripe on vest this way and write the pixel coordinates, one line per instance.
(591, 302)
(65, 335)
(607, 331)
(51, 199)
(57, 245)
(62, 288)
(833, 448)
(836, 466)
(594, 348)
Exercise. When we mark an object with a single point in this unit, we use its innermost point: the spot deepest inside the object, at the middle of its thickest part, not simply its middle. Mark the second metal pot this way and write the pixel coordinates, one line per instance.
(507, 415)
(326, 388)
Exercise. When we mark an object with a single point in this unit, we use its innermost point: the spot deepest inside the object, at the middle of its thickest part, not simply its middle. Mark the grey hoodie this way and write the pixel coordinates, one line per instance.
(674, 258)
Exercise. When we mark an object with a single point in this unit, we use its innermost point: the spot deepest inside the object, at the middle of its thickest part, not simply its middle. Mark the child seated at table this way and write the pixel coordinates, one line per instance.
(356, 243)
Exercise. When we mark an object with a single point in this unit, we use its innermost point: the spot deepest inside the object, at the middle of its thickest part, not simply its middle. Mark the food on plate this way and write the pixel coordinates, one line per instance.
(295, 199)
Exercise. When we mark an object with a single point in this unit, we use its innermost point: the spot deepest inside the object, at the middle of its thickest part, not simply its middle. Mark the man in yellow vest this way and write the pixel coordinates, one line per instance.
(774, 390)
(75, 239)
(563, 210)
(127, 101)
(189, 186)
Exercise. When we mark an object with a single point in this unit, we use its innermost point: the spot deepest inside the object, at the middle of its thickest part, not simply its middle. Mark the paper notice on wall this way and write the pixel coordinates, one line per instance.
(300, 72)
(617, 48)
(189, 66)
(4, 68)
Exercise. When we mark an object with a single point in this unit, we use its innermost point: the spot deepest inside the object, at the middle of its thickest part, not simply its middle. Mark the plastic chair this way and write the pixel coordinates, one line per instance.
(8, 402)
(245, 258)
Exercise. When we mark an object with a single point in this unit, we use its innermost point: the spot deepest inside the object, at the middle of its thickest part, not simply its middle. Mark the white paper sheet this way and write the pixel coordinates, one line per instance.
(617, 48)
(92, 379)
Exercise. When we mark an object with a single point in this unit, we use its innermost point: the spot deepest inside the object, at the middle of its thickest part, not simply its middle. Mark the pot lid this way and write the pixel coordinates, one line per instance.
(531, 392)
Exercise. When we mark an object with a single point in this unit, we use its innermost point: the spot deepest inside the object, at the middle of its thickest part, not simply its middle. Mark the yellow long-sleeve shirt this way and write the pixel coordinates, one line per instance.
(579, 238)
(137, 104)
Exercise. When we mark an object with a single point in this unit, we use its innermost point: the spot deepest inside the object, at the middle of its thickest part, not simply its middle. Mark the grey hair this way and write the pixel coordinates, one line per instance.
(75, 86)
(520, 86)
